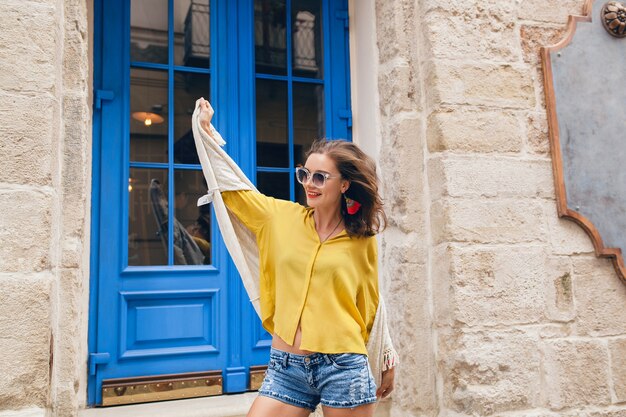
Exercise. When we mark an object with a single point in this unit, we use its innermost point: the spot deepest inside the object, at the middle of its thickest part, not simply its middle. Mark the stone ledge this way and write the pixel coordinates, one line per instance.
(234, 405)
(24, 412)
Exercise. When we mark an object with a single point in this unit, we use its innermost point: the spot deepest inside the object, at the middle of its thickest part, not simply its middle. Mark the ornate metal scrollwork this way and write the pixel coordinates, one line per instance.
(614, 18)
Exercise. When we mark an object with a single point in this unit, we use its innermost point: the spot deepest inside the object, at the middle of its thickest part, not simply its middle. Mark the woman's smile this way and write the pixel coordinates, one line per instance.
(312, 194)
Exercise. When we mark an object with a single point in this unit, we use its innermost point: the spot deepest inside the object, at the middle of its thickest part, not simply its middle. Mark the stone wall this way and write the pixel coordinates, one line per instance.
(45, 136)
(500, 307)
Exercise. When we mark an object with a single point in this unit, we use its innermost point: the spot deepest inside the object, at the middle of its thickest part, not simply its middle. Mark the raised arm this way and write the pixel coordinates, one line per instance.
(226, 174)
(223, 175)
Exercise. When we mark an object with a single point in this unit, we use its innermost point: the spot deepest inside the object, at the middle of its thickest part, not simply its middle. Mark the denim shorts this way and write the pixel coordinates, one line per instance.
(342, 380)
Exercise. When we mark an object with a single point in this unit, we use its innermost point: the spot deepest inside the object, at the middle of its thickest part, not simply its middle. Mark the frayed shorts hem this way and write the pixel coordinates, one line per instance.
(345, 404)
(286, 399)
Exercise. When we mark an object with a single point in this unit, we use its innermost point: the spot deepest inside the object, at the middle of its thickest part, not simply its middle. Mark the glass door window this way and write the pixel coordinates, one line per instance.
(170, 69)
(289, 91)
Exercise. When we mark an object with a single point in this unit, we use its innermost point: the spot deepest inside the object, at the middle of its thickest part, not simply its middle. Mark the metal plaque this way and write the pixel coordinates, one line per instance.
(585, 87)
(158, 388)
(257, 374)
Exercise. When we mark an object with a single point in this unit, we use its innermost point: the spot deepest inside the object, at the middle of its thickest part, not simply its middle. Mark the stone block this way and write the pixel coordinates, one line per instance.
(566, 237)
(499, 85)
(25, 230)
(396, 30)
(473, 130)
(25, 340)
(402, 248)
(559, 291)
(488, 372)
(26, 147)
(488, 221)
(617, 350)
(72, 252)
(409, 323)
(576, 373)
(402, 173)
(398, 88)
(25, 412)
(75, 174)
(23, 46)
(620, 412)
(497, 286)
(550, 11)
(538, 139)
(474, 30)
(535, 36)
(600, 297)
(493, 176)
(75, 46)
(443, 290)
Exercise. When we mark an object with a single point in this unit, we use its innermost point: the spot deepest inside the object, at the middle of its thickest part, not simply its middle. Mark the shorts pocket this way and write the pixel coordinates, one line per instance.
(347, 360)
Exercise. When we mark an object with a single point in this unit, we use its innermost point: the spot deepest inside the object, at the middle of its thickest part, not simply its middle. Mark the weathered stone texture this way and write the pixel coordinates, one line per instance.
(617, 349)
(397, 78)
(28, 44)
(397, 31)
(75, 46)
(75, 165)
(44, 195)
(491, 371)
(600, 297)
(412, 335)
(461, 129)
(566, 237)
(535, 36)
(497, 286)
(472, 29)
(550, 11)
(26, 138)
(559, 292)
(70, 323)
(500, 85)
(442, 289)
(544, 413)
(537, 133)
(491, 176)
(404, 250)
(487, 221)
(25, 230)
(576, 373)
(619, 412)
(401, 147)
(25, 334)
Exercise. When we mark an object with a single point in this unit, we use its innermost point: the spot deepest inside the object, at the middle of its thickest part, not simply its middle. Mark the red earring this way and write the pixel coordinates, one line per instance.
(352, 205)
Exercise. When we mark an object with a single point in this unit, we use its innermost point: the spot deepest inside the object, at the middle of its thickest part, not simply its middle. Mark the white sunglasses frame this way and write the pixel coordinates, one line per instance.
(310, 175)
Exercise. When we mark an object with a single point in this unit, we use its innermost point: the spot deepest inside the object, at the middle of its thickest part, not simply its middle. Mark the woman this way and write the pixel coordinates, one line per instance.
(318, 280)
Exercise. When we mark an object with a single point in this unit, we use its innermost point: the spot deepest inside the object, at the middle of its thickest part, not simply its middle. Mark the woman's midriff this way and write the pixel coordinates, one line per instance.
(280, 344)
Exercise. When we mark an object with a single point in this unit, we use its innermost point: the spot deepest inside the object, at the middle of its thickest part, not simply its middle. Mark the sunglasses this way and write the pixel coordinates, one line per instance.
(318, 179)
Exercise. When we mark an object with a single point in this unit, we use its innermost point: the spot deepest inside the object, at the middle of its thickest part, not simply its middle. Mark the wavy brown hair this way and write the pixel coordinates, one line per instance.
(357, 167)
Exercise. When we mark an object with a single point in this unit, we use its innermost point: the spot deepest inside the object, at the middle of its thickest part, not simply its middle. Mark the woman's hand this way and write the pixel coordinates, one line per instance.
(386, 385)
(206, 114)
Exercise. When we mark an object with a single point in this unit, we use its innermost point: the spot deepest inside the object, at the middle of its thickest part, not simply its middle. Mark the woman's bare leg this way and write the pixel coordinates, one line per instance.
(263, 406)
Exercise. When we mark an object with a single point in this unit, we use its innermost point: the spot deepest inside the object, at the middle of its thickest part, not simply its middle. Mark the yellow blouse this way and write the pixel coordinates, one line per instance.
(331, 287)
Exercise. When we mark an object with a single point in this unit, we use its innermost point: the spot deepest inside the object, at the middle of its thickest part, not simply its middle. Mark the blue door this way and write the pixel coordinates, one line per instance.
(165, 299)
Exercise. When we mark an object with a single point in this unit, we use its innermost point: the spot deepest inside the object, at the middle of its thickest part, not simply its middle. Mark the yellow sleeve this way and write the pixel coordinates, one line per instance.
(252, 208)
(367, 300)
